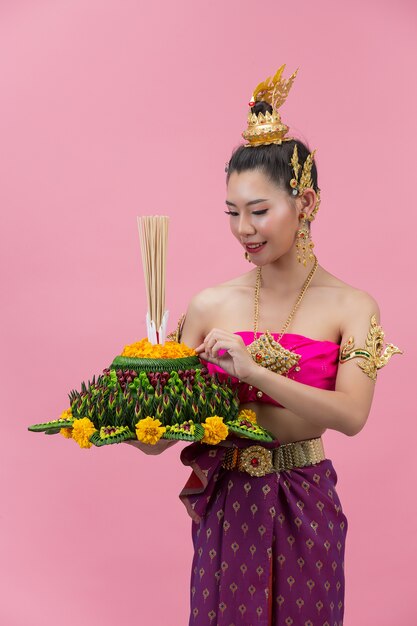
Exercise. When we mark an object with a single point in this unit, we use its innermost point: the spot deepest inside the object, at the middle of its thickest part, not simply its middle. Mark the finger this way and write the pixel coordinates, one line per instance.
(206, 346)
(208, 356)
(221, 344)
(212, 338)
(202, 350)
(218, 333)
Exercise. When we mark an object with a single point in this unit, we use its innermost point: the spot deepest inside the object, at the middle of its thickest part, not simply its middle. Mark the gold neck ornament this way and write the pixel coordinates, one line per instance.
(265, 350)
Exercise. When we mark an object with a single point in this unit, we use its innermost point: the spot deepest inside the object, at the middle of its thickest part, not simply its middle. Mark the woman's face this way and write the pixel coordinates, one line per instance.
(261, 212)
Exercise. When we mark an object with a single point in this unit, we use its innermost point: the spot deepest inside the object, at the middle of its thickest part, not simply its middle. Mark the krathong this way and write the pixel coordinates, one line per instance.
(156, 388)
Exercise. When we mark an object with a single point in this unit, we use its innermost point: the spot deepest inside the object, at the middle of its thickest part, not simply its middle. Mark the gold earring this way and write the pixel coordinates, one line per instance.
(247, 257)
(303, 242)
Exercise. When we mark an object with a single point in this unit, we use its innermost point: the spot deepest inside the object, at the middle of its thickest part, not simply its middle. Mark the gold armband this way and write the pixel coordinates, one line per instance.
(374, 357)
(175, 335)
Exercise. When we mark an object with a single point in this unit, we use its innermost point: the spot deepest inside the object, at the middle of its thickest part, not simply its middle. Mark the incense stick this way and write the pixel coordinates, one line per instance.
(153, 238)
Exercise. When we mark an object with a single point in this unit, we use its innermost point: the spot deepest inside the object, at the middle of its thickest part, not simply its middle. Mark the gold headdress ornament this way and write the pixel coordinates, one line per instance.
(264, 129)
(267, 128)
(305, 179)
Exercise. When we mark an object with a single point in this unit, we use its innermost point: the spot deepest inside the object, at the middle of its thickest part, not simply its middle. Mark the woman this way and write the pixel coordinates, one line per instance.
(269, 546)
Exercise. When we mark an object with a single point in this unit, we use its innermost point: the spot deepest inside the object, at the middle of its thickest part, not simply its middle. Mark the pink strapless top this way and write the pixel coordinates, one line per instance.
(318, 365)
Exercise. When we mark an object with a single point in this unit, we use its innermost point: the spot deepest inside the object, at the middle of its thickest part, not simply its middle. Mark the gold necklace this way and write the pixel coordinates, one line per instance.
(265, 350)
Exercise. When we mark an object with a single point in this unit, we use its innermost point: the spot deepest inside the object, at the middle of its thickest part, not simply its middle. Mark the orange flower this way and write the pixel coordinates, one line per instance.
(66, 432)
(247, 414)
(144, 349)
(66, 415)
(149, 430)
(82, 430)
(215, 430)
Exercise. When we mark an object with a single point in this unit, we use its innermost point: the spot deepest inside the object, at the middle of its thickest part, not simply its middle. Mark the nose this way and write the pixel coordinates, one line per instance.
(245, 226)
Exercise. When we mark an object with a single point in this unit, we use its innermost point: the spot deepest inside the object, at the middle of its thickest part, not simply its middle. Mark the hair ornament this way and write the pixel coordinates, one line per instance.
(305, 180)
(264, 129)
(295, 166)
(298, 187)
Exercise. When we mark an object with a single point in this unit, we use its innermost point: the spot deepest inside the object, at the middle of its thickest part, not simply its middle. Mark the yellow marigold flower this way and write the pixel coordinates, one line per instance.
(82, 429)
(247, 414)
(149, 430)
(66, 432)
(66, 415)
(143, 349)
(215, 430)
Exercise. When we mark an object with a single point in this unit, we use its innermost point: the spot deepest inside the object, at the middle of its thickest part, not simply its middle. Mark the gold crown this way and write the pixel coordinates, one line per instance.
(264, 129)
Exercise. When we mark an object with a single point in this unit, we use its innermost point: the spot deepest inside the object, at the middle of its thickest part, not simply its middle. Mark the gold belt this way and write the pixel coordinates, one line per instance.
(258, 460)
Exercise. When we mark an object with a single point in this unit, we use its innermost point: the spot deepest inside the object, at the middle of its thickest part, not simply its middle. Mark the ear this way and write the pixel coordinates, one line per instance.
(307, 201)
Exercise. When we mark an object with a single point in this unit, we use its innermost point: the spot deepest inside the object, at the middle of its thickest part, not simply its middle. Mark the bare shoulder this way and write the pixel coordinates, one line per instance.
(196, 320)
(213, 296)
(202, 309)
(357, 304)
(348, 296)
(358, 298)
(205, 300)
(347, 303)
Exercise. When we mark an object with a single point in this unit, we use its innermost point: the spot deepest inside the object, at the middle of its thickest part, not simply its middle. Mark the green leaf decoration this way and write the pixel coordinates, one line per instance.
(54, 425)
(157, 365)
(247, 429)
(187, 431)
(109, 434)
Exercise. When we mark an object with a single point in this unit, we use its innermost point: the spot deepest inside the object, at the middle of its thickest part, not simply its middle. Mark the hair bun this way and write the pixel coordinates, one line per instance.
(261, 107)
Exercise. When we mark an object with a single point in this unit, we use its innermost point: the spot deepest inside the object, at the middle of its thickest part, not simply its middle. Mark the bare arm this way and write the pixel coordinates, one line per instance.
(197, 318)
(345, 409)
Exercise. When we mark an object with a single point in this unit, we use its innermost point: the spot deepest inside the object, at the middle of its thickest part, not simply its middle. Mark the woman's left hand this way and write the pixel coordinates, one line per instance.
(236, 361)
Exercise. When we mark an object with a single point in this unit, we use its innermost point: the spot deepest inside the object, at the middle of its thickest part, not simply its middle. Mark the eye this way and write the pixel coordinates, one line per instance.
(254, 212)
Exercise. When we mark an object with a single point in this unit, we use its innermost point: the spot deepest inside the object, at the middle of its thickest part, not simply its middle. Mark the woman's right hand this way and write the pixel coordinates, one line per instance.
(152, 448)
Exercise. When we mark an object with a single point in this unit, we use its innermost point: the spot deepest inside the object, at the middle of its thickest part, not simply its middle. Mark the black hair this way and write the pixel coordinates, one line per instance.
(274, 160)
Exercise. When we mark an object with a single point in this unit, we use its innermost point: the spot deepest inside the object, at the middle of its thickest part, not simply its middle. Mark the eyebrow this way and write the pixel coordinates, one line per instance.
(250, 202)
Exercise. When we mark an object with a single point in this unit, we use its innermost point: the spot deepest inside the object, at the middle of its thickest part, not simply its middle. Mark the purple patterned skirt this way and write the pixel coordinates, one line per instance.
(268, 550)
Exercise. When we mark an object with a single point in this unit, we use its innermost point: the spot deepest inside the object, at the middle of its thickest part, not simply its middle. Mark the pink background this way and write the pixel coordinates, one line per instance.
(111, 109)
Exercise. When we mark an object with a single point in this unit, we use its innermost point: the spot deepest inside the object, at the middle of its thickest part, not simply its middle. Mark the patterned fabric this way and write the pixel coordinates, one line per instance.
(318, 365)
(268, 550)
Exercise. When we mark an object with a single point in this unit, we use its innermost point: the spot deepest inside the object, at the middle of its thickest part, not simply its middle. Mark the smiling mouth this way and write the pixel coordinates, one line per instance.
(258, 246)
